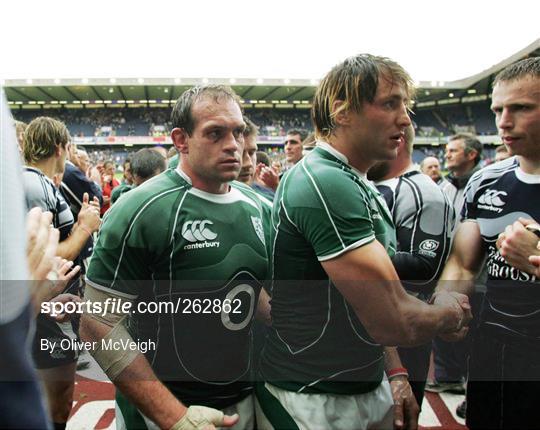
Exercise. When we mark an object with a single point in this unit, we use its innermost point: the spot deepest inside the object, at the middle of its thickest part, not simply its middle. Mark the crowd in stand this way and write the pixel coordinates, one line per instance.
(370, 258)
(436, 122)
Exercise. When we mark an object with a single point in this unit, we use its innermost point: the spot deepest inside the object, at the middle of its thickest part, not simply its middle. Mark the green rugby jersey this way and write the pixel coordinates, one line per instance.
(166, 241)
(323, 208)
(119, 190)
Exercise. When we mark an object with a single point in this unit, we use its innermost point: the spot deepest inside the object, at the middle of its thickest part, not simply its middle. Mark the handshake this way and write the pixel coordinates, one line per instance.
(459, 314)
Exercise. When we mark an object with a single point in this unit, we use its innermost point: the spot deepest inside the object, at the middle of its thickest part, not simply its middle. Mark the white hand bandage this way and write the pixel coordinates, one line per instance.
(199, 417)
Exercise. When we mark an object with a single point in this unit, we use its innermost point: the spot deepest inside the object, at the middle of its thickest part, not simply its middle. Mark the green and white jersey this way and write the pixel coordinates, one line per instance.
(323, 209)
(167, 242)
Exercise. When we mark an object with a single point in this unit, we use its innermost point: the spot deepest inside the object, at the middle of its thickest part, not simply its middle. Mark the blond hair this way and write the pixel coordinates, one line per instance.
(354, 82)
(42, 137)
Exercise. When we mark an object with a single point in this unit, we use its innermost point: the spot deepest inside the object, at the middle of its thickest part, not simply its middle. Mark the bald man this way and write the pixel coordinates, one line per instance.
(432, 167)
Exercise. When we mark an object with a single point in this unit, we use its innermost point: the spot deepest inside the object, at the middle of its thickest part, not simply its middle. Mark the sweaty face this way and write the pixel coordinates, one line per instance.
(432, 168)
(293, 148)
(213, 152)
(455, 155)
(249, 160)
(516, 105)
(379, 127)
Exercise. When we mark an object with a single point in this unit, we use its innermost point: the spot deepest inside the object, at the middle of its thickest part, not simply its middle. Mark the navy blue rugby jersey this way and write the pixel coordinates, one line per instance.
(496, 197)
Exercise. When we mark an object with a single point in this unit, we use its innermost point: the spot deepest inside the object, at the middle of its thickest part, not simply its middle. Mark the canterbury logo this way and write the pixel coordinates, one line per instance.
(197, 231)
(491, 198)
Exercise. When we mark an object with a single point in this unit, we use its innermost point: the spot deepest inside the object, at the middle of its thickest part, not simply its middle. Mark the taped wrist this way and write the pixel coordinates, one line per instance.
(117, 349)
(198, 418)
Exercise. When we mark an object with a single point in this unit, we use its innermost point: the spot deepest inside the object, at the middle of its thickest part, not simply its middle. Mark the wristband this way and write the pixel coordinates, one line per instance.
(397, 371)
(81, 226)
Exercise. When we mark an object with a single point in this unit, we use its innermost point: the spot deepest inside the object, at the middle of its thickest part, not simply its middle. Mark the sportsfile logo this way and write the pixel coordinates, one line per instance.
(198, 232)
(491, 200)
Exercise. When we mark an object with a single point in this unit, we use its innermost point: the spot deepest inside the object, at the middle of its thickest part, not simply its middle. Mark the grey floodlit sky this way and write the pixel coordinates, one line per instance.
(434, 40)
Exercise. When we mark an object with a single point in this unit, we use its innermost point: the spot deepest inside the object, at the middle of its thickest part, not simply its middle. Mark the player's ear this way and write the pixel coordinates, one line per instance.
(472, 154)
(340, 113)
(180, 139)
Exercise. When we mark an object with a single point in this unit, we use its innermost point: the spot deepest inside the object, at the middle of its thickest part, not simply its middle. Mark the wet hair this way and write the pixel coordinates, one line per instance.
(527, 67)
(41, 138)
(354, 82)
(182, 115)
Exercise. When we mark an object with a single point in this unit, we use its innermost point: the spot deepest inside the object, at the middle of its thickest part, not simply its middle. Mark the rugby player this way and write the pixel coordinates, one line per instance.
(46, 142)
(293, 146)
(187, 234)
(145, 164)
(423, 219)
(504, 370)
(336, 297)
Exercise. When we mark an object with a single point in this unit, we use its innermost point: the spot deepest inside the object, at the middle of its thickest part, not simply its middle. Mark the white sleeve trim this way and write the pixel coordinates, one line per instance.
(354, 245)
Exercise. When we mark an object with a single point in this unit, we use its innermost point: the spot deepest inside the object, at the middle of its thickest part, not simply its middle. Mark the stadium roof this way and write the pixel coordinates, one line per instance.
(158, 90)
(256, 92)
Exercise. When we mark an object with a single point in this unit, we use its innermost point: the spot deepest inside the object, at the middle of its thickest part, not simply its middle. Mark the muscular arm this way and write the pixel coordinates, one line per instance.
(72, 246)
(138, 382)
(465, 260)
(367, 279)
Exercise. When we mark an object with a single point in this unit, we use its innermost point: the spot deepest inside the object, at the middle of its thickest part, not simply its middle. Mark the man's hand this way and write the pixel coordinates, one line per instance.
(94, 175)
(65, 270)
(94, 202)
(51, 272)
(406, 409)
(516, 244)
(535, 261)
(64, 298)
(88, 216)
(267, 175)
(277, 167)
(42, 242)
(203, 418)
(460, 303)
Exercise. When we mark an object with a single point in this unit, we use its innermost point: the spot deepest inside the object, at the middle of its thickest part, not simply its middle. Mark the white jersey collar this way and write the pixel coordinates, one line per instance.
(183, 175)
(527, 177)
(333, 151)
(230, 196)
